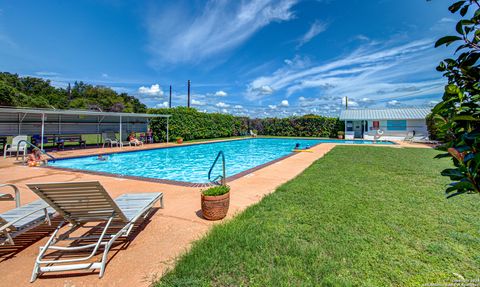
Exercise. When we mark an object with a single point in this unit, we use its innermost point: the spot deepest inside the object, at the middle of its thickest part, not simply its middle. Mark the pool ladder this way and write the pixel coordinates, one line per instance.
(220, 179)
(34, 146)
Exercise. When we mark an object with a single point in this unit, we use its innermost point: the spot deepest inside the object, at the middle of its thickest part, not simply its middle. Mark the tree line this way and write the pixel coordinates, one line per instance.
(39, 93)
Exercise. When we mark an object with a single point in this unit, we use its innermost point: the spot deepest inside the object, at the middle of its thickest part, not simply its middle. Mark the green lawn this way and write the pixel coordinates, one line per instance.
(360, 216)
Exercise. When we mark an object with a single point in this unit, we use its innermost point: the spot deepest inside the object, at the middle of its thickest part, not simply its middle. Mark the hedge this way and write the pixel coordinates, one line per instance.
(191, 124)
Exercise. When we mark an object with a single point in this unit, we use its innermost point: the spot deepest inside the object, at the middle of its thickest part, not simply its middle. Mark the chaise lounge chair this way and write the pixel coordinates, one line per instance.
(409, 137)
(252, 134)
(86, 202)
(425, 140)
(22, 218)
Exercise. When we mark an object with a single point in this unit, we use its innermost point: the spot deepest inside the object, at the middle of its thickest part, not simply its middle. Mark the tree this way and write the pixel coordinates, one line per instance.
(458, 114)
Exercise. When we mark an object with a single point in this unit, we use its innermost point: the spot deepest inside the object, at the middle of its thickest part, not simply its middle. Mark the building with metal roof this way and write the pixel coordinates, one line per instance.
(393, 124)
(53, 122)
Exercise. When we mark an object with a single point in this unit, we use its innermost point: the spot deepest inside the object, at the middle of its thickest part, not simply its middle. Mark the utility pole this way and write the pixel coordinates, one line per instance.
(170, 98)
(188, 100)
(346, 103)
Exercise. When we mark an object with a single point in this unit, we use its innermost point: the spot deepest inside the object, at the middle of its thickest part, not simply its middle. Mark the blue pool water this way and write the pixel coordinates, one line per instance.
(190, 163)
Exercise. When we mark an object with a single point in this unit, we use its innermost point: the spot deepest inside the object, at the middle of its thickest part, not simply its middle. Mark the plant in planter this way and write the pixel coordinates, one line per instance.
(179, 140)
(215, 202)
(340, 134)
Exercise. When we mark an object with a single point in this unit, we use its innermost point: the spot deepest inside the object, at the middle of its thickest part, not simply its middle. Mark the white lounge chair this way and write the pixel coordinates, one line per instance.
(16, 145)
(409, 137)
(86, 202)
(253, 134)
(22, 218)
(425, 140)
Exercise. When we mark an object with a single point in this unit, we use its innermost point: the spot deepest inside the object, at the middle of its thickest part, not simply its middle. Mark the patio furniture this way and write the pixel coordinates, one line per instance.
(22, 218)
(409, 137)
(425, 140)
(253, 134)
(110, 138)
(60, 140)
(88, 202)
(350, 135)
(16, 145)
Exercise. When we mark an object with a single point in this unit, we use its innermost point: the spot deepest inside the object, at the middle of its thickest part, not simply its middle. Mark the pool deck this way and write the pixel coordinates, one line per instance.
(168, 233)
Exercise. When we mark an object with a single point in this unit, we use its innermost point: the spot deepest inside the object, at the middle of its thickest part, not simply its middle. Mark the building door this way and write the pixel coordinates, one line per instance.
(358, 129)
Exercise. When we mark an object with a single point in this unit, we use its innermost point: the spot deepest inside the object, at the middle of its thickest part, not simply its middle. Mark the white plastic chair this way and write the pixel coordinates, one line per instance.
(16, 146)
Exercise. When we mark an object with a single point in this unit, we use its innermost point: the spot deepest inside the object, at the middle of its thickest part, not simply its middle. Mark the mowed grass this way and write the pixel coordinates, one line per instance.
(359, 216)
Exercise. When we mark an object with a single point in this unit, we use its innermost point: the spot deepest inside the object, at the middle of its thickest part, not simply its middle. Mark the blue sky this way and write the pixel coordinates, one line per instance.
(258, 58)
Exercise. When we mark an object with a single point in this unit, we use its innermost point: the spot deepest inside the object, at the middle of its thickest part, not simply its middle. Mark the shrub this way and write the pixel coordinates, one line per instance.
(216, 190)
(192, 124)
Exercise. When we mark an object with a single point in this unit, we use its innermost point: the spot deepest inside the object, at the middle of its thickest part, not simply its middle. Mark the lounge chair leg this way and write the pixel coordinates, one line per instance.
(9, 237)
(36, 270)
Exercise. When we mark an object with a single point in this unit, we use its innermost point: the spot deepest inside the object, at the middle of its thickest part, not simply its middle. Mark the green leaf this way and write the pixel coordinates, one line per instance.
(459, 27)
(464, 10)
(447, 40)
(455, 6)
(453, 173)
(465, 118)
(471, 59)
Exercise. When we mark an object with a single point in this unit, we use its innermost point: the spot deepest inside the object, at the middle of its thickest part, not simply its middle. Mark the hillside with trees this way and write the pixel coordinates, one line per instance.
(39, 93)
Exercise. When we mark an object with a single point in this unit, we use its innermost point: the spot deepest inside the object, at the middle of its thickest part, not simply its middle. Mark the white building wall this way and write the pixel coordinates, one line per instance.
(419, 126)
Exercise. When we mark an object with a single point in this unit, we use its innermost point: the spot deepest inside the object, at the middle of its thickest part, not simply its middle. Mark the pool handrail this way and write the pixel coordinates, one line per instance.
(223, 176)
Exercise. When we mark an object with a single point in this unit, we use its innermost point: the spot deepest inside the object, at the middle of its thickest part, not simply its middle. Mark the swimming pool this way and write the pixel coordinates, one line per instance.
(191, 163)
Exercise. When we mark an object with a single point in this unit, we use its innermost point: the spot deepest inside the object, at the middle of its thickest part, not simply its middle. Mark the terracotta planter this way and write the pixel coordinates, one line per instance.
(340, 137)
(179, 141)
(215, 207)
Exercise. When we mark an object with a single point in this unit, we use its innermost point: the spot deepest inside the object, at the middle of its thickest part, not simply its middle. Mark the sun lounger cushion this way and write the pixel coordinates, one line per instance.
(131, 204)
(15, 213)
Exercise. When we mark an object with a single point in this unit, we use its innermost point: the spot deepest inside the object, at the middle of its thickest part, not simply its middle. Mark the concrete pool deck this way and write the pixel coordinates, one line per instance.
(168, 233)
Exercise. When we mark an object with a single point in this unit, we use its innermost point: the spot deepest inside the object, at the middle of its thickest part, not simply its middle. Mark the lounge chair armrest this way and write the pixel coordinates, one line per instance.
(17, 193)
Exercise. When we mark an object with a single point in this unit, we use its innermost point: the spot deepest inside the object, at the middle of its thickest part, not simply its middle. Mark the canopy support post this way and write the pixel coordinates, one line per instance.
(43, 131)
(120, 131)
(167, 130)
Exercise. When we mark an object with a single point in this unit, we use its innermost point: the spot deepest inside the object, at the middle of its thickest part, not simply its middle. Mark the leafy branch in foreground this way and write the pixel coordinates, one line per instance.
(457, 116)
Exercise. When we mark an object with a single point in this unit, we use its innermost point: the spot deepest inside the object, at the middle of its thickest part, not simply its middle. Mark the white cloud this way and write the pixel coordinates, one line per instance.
(316, 28)
(105, 75)
(197, 103)
(47, 74)
(162, 105)
(219, 28)
(153, 90)
(284, 103)
(222, 105)
(393, 103)
(350, 102)
(374, 71)
(238, 107)
(221, 93)
(362, 37)
(272, 107)
(446, 20)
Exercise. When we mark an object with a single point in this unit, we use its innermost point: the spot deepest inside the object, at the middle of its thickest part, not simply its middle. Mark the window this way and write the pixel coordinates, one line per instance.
(349, 126)
(376, 125)
(397, 125)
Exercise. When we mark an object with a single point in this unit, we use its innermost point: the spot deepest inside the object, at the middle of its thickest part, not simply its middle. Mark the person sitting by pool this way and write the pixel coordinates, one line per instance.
(133, 139)
(297, 146)
(35, 158)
